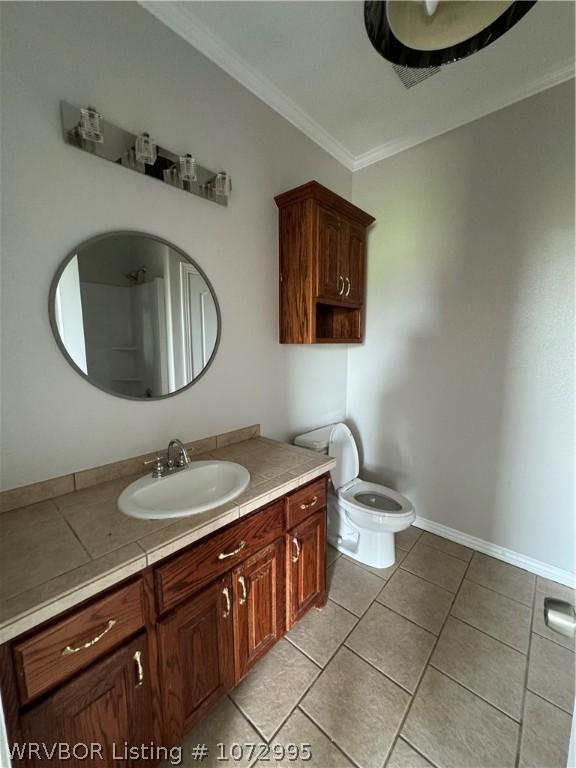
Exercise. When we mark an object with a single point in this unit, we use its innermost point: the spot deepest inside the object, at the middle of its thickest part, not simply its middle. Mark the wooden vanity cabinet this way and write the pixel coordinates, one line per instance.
(196, 658)
(107, 706)
(322, 243)
(305, 567)
(258, 586)
(145, 661)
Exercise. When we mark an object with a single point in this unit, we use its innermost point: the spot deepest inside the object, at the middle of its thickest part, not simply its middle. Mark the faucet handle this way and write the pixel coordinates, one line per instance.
(158, 470)
(155, 460)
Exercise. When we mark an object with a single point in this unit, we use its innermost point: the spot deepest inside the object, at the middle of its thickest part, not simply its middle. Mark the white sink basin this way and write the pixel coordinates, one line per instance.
(201, 486)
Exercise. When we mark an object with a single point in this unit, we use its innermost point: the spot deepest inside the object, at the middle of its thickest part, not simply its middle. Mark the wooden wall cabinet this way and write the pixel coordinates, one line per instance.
(146, 661)
(322, 241)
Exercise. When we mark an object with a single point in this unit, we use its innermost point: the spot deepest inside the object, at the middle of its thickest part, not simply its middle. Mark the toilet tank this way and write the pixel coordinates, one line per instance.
(317, 440)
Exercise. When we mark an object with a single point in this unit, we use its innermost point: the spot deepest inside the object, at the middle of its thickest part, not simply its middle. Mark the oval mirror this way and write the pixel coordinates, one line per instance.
(134, 315)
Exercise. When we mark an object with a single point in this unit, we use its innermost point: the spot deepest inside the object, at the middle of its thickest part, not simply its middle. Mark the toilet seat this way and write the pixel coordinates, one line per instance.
(400, 513)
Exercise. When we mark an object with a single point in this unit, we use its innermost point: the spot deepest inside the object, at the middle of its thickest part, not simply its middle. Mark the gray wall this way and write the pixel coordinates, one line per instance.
(463, 392)
(143, 77)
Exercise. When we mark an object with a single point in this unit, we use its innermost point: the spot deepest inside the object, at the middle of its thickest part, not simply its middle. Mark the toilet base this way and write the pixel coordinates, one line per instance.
(376, 550)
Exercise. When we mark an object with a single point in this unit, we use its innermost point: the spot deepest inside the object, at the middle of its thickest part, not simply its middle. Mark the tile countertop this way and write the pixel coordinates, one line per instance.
(57, 553)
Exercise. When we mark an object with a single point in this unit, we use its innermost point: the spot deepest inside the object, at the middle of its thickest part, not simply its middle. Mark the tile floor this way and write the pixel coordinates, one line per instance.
(442, 660)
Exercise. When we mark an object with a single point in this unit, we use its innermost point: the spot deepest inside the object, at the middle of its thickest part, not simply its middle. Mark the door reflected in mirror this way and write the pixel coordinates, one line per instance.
(134, 315)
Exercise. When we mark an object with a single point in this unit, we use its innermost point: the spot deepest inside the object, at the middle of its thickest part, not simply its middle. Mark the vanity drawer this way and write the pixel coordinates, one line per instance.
(53, 654)
(209, 559)
(305, 501)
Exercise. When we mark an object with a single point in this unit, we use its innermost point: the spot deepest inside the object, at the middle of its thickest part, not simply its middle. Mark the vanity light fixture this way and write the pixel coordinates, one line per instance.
(187, 168)
(90, 128)
(145, 149)
(85, 128)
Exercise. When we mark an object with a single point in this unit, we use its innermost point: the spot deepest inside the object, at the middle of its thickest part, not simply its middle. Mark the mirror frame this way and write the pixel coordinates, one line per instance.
(56, 332)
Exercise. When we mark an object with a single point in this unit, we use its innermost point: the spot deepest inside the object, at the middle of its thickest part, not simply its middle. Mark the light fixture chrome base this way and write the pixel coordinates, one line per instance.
(118, 146)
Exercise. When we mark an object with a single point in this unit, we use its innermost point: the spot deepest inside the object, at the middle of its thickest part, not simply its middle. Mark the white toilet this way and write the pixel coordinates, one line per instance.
(362, 517)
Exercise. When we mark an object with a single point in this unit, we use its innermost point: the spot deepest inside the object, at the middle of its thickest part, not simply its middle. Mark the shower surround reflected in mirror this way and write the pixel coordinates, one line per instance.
(134, 315)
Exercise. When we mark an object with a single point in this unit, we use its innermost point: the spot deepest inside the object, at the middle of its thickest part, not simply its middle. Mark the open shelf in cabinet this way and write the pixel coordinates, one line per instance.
(337, 324)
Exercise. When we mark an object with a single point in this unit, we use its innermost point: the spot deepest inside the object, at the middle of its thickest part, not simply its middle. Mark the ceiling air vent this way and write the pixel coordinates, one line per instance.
(412, 76)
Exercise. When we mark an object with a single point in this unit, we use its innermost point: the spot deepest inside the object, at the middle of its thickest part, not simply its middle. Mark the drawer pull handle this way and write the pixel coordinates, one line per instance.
(348, 286)
(68, 651)
(296, 543)
(139, 668)
(242, 582)
(310, 504)
(340, 290)
(239, 548)
(226, 593)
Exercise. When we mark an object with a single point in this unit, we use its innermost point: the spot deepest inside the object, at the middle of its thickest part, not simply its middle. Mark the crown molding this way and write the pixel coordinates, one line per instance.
(549, 80)
(185, 23)
(188, 26)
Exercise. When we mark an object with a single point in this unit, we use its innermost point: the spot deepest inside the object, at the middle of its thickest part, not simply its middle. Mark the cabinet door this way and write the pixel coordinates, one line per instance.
(329, 270)
(196, 658)
(353, 263)
(104, 708)
(258, 605)
(305, 566)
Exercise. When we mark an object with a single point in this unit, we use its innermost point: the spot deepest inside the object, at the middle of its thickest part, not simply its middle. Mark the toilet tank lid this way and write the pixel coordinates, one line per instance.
(338, 442)
(316, 440)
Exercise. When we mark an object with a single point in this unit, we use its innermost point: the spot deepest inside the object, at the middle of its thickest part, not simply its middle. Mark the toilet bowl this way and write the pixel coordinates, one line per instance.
(362, 517)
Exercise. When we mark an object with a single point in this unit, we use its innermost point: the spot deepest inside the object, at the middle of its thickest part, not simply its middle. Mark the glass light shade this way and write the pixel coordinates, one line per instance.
(145, 149)
(222, 184)
(90, 128)
(187, 168)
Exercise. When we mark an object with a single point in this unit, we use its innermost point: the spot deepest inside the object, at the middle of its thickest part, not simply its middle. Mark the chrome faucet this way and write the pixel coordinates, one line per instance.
(182, 458)
(177, 458)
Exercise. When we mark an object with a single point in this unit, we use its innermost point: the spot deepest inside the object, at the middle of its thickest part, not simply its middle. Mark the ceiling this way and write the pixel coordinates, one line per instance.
(313, 63)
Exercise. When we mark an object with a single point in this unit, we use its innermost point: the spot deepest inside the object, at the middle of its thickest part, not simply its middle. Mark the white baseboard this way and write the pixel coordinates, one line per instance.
(501, 553)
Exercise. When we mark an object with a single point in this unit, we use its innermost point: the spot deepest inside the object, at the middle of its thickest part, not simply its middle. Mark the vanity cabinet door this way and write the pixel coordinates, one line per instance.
(196, 648)
(108, 706)
(305, 566)
(258, 605)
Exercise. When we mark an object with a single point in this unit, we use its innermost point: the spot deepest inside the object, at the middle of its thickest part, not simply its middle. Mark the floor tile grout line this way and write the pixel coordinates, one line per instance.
(441, 551)
(403, 738)
(477, 695)
(487, 634)
(427, 665)
(552, 703)
(377, 669)
(434, 583)
(526, 675)
(465, 576)
(340, 646)
(534, 631)
(502, 594)
(330, 739)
